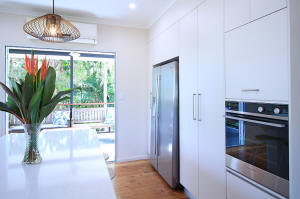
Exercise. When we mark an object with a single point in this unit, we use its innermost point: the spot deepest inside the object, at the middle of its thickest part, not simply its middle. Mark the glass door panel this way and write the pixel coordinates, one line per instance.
(61, 116)
(16, 70)
(94, 104)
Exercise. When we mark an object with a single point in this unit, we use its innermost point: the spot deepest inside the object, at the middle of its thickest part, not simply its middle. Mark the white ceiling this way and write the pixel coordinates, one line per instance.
(114, 12)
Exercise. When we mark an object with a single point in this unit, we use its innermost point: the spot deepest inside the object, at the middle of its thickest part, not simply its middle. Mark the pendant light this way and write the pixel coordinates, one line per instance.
(52, 28)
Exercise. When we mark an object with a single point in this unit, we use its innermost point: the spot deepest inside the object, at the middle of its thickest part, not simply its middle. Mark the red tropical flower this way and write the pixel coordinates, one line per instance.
(32, 65)
(36, 66)
(44, 69)
(27, 64)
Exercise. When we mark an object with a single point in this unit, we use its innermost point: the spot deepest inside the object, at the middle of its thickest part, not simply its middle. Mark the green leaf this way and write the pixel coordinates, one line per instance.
(37, 78)
(6, 108)
(27, 91)
(49, 85)
(47, 109)
(34, 115)
(10, 93)
(35, 100)
(21, 81)
(61, 93)
(15, 89)
(11, 103)
(20, 85)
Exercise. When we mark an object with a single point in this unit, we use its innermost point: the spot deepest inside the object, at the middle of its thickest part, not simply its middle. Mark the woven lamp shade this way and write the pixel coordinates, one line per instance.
(52, 28)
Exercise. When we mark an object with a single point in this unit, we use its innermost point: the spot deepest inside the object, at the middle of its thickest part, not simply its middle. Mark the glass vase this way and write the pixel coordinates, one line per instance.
(32, 154)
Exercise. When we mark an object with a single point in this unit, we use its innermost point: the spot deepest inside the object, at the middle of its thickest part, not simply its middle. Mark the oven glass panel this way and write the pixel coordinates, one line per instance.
(260, 145)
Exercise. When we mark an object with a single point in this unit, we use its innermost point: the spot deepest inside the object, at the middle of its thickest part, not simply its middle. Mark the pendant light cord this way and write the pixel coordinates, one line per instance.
(53, 6)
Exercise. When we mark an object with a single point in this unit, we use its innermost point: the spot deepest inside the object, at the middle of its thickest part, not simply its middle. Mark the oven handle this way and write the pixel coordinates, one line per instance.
(256, 122)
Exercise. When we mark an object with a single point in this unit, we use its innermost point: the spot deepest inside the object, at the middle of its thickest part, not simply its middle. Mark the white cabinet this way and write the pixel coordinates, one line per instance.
(256, 60)
(241, 12)
(237, 13)
(211, 101)
(188, 87)
(165, 46)
(260, 8)
(240, 189)
(201, 73)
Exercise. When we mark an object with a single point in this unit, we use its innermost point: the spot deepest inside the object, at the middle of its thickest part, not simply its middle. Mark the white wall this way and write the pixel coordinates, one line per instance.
(131, 50)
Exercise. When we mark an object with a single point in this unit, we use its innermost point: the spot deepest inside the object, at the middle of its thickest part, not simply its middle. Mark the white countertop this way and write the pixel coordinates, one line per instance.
(72, 168)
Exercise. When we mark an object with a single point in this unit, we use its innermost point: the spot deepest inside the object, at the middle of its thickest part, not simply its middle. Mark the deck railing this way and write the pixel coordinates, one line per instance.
(79, 115)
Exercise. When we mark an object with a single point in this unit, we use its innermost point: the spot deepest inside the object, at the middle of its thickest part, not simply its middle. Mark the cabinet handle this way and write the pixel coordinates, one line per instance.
(194, 115)
(250, 90)
(199, 107)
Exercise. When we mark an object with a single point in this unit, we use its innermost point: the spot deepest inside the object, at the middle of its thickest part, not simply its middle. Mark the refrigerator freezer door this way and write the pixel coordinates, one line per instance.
(168, 124)
(154, 119)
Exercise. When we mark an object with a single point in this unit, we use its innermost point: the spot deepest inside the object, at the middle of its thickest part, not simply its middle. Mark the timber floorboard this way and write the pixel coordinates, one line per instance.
(138, 180)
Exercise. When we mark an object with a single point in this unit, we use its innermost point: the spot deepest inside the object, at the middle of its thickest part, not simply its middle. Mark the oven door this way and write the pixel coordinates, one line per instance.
(259, 149)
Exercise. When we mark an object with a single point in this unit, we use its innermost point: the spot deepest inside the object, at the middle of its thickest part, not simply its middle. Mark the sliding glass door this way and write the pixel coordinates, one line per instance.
(95, 76)
(92, 106)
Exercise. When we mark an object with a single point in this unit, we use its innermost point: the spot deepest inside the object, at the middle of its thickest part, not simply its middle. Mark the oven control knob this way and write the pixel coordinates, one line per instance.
(277, 110)
(260, 109)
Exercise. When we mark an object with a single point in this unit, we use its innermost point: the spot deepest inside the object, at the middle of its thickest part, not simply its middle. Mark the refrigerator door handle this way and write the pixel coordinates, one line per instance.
(156, 112)
(194, 115)
(199, 107)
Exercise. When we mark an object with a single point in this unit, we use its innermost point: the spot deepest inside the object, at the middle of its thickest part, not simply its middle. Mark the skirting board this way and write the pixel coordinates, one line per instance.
(188, 194)
(140, 157)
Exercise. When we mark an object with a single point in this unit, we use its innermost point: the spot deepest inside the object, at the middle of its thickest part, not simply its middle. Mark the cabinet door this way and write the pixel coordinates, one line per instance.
(240, 189)
(187, 92)
(237, 13)
(256, 60)
(164, 46)
(260, 8)
(211, 101)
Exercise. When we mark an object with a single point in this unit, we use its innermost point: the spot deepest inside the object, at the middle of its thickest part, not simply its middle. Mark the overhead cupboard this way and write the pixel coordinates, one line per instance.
(241, 12)
(164, 46)
(201, 88)
(256, 54)
(256, 60)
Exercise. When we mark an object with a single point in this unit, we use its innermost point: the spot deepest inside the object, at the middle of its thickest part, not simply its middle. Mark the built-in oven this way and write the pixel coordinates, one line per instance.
(257, 143)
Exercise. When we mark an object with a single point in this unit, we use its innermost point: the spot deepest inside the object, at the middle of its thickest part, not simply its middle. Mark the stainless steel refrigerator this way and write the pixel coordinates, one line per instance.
(165, 122)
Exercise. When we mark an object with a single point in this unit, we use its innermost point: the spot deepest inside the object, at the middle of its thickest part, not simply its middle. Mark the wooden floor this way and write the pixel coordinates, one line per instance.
(138, 180)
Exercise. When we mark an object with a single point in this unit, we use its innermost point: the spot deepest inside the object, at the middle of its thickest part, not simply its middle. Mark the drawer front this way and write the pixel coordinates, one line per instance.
(240, 189)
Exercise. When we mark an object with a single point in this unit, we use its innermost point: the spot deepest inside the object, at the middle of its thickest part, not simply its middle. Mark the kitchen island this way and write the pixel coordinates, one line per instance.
(73, 167)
